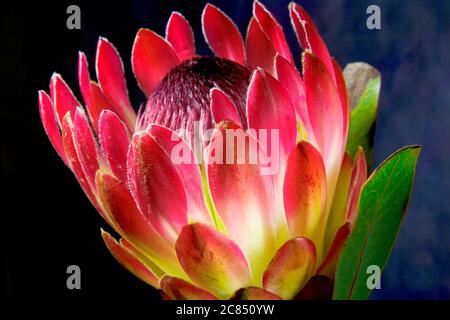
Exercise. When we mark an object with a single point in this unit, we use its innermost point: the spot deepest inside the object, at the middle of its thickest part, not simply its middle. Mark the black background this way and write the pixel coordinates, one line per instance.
(47, 222)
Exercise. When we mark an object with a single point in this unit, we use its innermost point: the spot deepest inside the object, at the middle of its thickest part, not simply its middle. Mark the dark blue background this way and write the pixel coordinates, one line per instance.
(412, 51)
(49, 222)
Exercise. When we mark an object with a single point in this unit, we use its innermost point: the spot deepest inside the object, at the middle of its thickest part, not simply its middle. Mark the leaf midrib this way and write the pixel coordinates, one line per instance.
(370, 231)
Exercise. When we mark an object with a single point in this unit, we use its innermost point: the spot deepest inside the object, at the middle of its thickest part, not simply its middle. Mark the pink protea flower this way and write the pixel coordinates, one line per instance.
(201, 229)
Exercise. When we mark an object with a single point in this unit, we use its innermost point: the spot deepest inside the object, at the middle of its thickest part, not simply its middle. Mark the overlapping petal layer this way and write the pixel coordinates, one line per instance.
(156, 186)
(263, 210)
(290, 268)
(244, 198)
(212, 260)
(151, 52)
(305, 194)
(111, 77)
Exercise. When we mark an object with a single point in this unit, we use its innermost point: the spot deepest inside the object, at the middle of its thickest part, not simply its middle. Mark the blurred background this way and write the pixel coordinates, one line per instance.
(47, 222)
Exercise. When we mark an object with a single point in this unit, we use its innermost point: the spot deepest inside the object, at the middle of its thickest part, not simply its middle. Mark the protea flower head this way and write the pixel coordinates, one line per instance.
(201, 213)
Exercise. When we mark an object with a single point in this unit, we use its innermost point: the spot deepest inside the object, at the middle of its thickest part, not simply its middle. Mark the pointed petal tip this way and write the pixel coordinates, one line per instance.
(151, 52)
(176, 13)
(130, 260)
(222, 107)
(328, 266)
(272, 30)
(269, 107)
(111, 78)
(210, 6)
(49, 121)
(180, 35)
(308, 36)
(55, 75)
(62, 97)
(222, 34)
(42, 94)
(260, 50)
(81, 55)
(103, 40)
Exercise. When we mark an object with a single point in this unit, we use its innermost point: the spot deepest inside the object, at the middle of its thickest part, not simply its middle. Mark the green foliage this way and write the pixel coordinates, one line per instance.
(362, 121)
(383, 202)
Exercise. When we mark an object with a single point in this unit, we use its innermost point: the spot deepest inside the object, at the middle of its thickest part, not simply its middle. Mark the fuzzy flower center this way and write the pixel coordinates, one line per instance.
(182, 98)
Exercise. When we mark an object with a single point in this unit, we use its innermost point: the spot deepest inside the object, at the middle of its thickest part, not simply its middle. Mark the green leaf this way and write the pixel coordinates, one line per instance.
(362, 121)
(383, 203)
